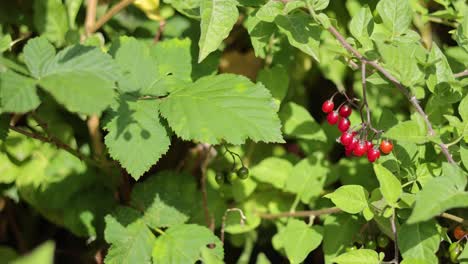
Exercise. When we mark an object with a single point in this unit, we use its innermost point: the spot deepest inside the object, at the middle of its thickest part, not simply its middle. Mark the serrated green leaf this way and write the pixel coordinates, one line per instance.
(339, 232)
(302, 32)
(390, 186)
(396, 15)
(270, 10)
(38, 54)
(131, 240)
(50, 20)
(43, 254)
(440, 194)
(82, 78)
(17, 93)
(298, 123)
(275, 79)
(167, 199)
(272, 170)
(307, 178)
(407, 131)
(358, 256)
(184, 244)
(136, 137)
(362, 26)
(260, 34)
(419, 241)
(217, 19)
(299, 239)
(222, 107)
(349, 198)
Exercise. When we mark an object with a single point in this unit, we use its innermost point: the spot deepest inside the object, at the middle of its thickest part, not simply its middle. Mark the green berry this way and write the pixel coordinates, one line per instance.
(371, 244)
(382, 241)
(219, 178)
(455, 250)
(230, 177)
(243, 173)
(348, 249)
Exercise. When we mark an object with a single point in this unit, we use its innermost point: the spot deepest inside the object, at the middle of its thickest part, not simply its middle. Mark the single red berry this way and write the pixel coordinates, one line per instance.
(360, 149)
(328, 106)
(373, 154)
(353, 144)
(344, 124)
(346, 138)
(459, 233)
(348, 152)
(345, 111)
(369, 145)
(386, 146)
(332, 117)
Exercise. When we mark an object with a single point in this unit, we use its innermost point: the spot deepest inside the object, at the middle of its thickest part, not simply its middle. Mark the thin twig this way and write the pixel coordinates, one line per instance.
(331, 210)
(454, 218)
(223, 224)
(397, 83)
(461, 74)
(90, 16)
(395, 236)
(206, 159)
(107, 16)
(159, 33)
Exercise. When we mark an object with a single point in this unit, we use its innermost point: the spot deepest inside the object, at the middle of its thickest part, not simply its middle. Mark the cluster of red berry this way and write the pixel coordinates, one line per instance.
(349, 139)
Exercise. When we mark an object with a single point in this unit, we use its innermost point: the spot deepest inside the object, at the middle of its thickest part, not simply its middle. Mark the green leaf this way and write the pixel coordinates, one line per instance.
(5, 42)
(359, 256)
(50, 20)
(222, 107)
(419, 241)
(362, 26)
(349, 198)
(82, 78)
(390, 186)
(298, 123)
(136, 137)
(464, 255)
(167, 199)
(396, 15)
(440, 194)
(38, 54)
(275, 79)
(173, 58)
(461, 35)
(308, 177)
(318, 5)
(4, 126)
(407, 131)
(43, 254)
(270, 11)
(339, 232)
(260, 35)
(73, 7)
(463, 154)
(440, 74)
(293, 5)
(17, 93)
(302, 32)
(7, 254)
(299, 239)
(131, 240)
(184, 244)
(272, 170)
(217, 19)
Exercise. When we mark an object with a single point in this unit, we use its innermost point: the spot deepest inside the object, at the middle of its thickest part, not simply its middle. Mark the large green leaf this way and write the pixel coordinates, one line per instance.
(184, 244)
(440, 194)
(307, 178)
(407, 131)
(261, 34)
(358, 256)
(136, 138)
(222, 107)
(302, 32)
(50, 20)
(362, 26)
(396, 15)
(419, 241)
(339, 232)
(390, 186)
(81, 78)
(17, 93)
(298, 123)
(270, 10)
(272, 170)
(38, 53)
(43, 254)
(349, 198)
(217, 19)
(131, 240)
(275, 79)
(440, 76)
(299, 239)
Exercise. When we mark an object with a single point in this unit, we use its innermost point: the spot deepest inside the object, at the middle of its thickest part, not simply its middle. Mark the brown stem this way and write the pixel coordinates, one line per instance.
(461, 74)
(96, 137)
(331, 210)
(206, 159)
(107, 16)
(90, 16)
(159, 33)
(397, 83)
(395, 236)
(454, 218)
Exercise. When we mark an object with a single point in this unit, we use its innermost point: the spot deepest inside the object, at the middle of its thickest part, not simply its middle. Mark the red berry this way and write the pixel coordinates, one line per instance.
(332, 117)
(369, 145)
(360, 149)
(328, 106)
(353, 144)
(373, 154)
(344, 124)
(348, 152)
(459, 233)
(345, 111)
(346, 138)
(386, 146)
